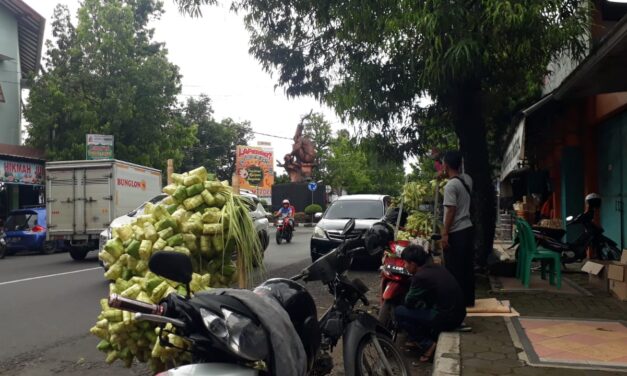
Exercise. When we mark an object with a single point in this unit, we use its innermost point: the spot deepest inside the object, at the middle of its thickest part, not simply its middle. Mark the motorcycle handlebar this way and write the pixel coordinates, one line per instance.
(126, 304)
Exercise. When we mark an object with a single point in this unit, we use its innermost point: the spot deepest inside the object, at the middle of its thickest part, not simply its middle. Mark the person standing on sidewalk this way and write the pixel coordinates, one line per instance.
(458, 232)
(433, 304)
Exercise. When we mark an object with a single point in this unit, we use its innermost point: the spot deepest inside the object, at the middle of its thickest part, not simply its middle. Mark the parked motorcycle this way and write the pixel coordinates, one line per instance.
(395, 280)
(229, 338)
(3, 244)
(284, 230)
(592, 237)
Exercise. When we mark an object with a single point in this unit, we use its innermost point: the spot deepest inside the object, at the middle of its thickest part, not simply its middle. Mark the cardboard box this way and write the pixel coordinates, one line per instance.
(616, 273)
(623, 257)
(597, 274)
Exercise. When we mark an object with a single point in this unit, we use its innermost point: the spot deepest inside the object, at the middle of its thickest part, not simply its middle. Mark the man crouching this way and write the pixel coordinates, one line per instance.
(434, 303)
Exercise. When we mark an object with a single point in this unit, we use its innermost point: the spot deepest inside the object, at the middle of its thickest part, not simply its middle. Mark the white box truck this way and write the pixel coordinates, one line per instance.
(84, 197)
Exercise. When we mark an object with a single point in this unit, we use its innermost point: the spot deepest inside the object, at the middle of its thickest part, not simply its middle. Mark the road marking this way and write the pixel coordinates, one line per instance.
(48, 276)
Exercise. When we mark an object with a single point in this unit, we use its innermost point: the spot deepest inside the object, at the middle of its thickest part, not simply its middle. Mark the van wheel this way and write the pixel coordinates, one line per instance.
(78, 254)
(48, 248)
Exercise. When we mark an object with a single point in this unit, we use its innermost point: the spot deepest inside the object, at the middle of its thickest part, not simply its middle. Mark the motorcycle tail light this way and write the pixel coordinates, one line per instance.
(38, 229)
(395, 261)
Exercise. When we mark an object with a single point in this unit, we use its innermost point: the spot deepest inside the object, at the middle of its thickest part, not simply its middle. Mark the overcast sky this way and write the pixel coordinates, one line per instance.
(212, 53)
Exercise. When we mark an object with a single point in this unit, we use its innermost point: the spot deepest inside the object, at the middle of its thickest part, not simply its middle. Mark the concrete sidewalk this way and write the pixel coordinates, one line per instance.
(587, 324)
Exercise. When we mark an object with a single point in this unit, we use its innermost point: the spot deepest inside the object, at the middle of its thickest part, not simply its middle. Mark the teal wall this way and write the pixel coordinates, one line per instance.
(573, 196)
(9, 79)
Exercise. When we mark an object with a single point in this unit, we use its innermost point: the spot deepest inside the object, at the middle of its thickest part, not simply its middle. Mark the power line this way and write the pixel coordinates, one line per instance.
(271, 135)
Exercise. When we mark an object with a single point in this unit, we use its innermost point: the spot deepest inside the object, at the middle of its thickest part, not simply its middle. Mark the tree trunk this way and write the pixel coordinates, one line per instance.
(470, 128)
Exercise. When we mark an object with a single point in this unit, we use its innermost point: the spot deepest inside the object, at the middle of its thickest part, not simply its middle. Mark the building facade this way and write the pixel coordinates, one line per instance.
(21, 168)
(575, 137)
(21, 38)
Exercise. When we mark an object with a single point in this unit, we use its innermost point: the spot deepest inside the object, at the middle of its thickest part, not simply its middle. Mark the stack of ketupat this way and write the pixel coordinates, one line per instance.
(201, 218)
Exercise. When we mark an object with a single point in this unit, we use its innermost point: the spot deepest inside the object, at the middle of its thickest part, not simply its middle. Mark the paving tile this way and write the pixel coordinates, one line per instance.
(543, 351)
(561, 344)
(594, 354)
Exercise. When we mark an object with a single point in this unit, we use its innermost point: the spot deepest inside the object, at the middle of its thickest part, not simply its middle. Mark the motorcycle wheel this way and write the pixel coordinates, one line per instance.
(370, 357)
(289, 237)
(612, 252)
(279, 237)
(3, 251)
(386, 314)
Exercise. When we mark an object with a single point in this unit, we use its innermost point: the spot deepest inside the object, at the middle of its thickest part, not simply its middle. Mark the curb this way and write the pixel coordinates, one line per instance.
(447, 355)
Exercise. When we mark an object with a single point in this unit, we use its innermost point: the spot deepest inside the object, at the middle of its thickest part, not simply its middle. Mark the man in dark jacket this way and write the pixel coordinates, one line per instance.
(434, 303)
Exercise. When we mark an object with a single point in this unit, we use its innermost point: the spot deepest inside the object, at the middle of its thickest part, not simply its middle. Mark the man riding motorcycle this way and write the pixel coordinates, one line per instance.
(287, 210)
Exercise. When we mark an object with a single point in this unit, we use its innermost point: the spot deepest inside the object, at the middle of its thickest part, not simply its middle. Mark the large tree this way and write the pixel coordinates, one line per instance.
(372, 60)
(106, 75)
(217, 140)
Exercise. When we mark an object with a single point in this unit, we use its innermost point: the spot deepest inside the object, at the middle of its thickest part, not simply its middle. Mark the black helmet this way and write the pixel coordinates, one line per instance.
(301, 308)
(378, 236)
(593, 200)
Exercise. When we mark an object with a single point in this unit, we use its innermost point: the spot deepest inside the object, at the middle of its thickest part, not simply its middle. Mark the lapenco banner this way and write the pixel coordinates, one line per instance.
(254, 167)
(27, 173)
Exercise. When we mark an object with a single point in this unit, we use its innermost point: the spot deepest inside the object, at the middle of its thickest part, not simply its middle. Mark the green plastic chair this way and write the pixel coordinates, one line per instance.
(528, 251)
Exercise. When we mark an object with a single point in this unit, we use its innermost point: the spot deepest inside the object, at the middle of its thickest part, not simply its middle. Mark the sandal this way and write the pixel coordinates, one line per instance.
(428, 355)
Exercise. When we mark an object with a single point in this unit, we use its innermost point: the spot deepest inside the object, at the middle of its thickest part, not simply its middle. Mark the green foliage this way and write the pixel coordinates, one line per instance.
(106, 75)
(367, 165)
(281, 179)
(217, 141)
(301, 217)
(347, 167)
(313, 209)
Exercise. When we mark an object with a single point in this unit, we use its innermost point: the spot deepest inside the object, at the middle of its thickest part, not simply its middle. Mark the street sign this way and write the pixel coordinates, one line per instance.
(312, 186)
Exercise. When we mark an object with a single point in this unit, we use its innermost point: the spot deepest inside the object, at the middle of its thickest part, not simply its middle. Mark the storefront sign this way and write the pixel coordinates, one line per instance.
(515, 151)
(99, 147)
(26, 173)
(254, 166)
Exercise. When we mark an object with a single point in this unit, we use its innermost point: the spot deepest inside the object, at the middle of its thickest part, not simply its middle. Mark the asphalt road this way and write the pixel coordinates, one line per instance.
(48, 304)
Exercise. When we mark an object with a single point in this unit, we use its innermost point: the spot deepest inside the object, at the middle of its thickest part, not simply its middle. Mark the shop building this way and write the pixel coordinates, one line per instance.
(573, 141)
(22, 178)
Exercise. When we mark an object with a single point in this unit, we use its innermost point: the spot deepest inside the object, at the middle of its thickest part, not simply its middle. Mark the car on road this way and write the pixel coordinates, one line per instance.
(365, 209)
(25, 230)
(255, 208)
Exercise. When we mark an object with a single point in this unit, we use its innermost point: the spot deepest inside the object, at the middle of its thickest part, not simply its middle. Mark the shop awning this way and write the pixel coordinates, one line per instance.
(603, 71)
(31, 34)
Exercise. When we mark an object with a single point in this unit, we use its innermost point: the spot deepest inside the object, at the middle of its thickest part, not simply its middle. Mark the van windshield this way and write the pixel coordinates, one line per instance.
(357, 209)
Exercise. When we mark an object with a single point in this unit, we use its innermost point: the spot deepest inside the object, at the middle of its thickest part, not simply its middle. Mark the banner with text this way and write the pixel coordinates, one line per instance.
(254, 166)
(99, 146)
(21, 173)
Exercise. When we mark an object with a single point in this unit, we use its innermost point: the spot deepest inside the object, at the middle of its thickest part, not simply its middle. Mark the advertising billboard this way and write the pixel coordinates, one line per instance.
(254, 166)
(99, 147)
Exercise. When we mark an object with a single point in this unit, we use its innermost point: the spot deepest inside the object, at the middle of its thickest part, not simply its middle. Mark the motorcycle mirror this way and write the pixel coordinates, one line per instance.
(436, 237)
(171, 265)
(350, 226)
(569, 218)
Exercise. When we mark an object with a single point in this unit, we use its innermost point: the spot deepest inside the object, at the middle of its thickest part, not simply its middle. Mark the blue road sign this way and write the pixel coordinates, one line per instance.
(312, 186)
